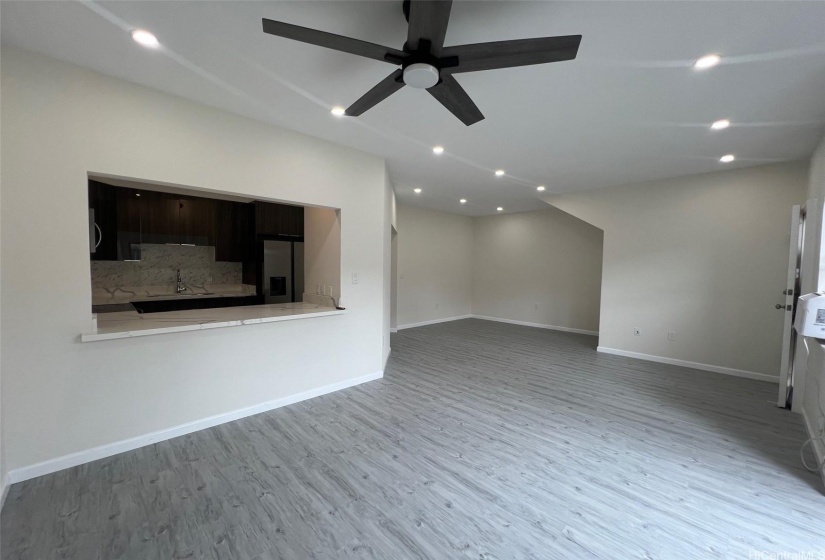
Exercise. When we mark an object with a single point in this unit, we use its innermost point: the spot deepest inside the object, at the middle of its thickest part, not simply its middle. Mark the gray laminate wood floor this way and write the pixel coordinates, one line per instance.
(484, 440)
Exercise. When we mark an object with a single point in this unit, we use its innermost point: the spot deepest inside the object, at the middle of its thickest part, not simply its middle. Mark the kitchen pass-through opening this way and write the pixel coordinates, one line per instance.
(161, 247)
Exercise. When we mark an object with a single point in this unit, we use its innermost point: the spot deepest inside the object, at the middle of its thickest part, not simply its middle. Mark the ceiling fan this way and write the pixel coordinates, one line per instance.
(426, 63)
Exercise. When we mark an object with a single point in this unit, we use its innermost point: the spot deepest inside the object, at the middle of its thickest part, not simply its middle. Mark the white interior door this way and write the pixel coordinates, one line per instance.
(790, 292)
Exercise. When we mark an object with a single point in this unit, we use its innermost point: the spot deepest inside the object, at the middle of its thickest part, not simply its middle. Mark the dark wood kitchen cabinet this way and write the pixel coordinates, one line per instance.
(103, 215)
(279, 219)
(234, 236)
(160, 217)
(117, 222)
(197, 221)
(129, 217)
(175, 219)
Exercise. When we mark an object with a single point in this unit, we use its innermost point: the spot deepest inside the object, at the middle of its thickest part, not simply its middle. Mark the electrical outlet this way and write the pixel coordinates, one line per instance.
(436, 306)
(671, 336)
(318, 290)
(329, 291)
(637, 331)
(536, 307)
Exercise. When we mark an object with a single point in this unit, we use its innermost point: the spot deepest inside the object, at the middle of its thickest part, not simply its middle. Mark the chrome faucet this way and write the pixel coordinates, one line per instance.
(180, 286)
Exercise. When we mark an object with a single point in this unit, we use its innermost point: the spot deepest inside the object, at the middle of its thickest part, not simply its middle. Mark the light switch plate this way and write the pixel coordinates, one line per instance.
(354, 277)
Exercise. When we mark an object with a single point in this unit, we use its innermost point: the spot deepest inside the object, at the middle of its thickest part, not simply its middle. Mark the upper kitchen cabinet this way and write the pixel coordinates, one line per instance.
(279, 219)
(102, 222)
(129, 223)
(123, 219)
(160, 217)
(197, 221)
(177, 220)
(234, 235)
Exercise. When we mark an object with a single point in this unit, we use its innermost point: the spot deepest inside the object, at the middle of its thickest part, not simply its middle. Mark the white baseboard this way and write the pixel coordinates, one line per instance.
(486, 318)
(393, 329)
(537, 325)
(433, 322)
(819, 448)
(81, 457)
(685, 363)
(5, 492)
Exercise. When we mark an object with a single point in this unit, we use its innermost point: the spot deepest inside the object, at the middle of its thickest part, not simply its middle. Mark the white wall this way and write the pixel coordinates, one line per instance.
(60, 396)
(540, 267)
(434, 265)
(322, 249)
(813, 405)
(394, 281)
(704, 256)
(386, 241)
(2, 436)
(816, 190)
(816, 184)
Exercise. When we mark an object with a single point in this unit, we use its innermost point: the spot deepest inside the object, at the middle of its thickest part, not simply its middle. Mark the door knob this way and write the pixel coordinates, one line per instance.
(779, 306)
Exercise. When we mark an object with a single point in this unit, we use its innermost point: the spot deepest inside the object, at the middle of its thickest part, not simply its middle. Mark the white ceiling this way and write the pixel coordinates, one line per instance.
(630, 108)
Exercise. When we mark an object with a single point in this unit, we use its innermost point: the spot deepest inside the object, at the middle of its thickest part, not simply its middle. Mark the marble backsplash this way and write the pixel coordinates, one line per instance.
(159, 265)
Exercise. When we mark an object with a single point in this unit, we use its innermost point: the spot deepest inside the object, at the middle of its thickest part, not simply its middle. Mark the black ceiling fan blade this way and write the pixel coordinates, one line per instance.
(450, 94)
(507, 54)
(332, 41)
(428, 20)
(376, 95)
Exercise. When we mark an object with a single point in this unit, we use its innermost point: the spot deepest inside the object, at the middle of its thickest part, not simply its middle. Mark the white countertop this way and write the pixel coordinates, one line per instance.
(127, 324)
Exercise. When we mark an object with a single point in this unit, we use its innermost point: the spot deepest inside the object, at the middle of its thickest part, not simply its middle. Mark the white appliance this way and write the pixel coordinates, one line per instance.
(810, 315)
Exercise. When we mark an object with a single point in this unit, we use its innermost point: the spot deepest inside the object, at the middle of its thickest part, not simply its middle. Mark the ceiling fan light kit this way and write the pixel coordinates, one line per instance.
(425, 63)
(420, 75)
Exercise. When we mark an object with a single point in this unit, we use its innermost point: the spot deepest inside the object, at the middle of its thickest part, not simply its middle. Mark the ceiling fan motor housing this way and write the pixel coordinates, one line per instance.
(421, 75)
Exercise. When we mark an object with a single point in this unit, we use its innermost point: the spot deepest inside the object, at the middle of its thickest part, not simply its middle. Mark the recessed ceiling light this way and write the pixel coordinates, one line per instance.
(438, 150)
(708, 61)
(499, 208)
(720, 125)
(338, 111)
(727, 159)
(463, 201)
(143, 37)
(499, 172)
(416, 191)
(540, 188)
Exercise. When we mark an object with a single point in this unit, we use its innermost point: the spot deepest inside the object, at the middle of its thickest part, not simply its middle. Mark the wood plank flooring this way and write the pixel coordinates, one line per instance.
(483, 441)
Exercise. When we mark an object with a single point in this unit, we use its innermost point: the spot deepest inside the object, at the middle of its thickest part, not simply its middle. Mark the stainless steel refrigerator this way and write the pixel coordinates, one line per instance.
(283, 280)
